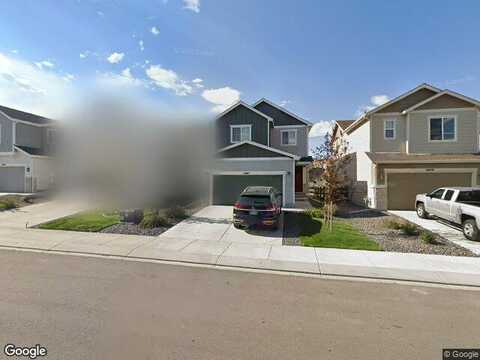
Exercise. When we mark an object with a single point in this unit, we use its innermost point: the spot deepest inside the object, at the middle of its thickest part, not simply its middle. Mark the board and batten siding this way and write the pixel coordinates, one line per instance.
(29, 135)
(466, 132)
(6, 128)
(301, 149)
(241, 115)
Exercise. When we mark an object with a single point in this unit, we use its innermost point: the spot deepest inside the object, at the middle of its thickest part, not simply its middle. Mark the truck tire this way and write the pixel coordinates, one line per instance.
(421, 212)
(470, 229)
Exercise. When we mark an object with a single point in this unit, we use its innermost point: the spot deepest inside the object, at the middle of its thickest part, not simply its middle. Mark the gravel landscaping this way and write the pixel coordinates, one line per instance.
(373, 223)
(133, 229)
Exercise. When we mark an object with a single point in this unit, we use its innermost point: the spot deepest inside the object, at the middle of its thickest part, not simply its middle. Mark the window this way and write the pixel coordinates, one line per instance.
(437, 194)
(239, 133)
(443, 128)
(51, 136)
(448, 195)
(289, 137)
(389, 129)
(472, 196)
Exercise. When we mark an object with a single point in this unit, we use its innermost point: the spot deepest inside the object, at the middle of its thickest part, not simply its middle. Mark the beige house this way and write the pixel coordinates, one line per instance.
(421, 140)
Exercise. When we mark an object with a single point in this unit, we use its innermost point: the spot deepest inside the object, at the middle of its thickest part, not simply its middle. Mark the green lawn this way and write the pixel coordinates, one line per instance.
(342, 236)
(92, 221)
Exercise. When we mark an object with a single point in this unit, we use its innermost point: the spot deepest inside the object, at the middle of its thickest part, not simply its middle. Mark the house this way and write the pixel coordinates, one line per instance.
(423, 139)
(260, 144)
(26, 141)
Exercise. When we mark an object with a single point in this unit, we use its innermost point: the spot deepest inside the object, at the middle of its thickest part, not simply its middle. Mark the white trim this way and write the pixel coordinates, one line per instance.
(240, 102)
(26, 122)
(441, 110)
(446, 92)
(240, 126)
(398, 98)
(260, 146)
(0, 134)
(289, 126)
(407, 140)
(442, 117)
(49, 130)
(288, 130)
(306, 122)
(30, 155)
(394, 129)
(14, 133)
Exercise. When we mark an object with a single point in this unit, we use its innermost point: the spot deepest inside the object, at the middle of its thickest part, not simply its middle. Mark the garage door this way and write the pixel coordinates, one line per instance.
(226, 188)
(12, 179)
(402, 188)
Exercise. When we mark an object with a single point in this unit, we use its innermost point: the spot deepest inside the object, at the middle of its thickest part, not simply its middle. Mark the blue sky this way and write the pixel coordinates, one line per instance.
(324, 60)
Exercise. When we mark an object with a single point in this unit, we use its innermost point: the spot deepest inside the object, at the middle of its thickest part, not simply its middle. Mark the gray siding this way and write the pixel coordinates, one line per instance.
(28, 135)
(408, 101)
(379, 143)
(6, 134)
(247, 151)
(280, 118)
(301, 149)
(241, 115)
(287, 165)
(467, 133)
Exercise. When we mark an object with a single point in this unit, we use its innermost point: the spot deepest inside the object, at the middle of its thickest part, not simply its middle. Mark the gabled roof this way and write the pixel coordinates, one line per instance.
(343, 124)
(363, 118)
(25, 116)
(241, 103)
(306, 122)
(443, 93)
(31, 151)
(253, 143)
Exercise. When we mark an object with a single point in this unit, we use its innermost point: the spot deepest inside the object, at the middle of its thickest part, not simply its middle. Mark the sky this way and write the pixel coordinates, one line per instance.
(323, 60)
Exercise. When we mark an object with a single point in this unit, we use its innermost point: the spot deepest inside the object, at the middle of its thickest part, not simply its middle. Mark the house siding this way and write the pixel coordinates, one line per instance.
(6, 141)
(247, 151)
(467, 133)
(445, 102)
(28, 135)
(301, 149)
(280, 118)
(379, 143)
(359, 140)
(241, 115)
(408, 101)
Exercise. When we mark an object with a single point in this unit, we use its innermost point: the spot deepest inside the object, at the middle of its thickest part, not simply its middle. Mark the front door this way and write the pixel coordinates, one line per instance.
(298, 179)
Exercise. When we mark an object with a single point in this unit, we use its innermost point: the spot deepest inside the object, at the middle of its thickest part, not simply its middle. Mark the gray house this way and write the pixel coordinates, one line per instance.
(26, 143)
(263, 144)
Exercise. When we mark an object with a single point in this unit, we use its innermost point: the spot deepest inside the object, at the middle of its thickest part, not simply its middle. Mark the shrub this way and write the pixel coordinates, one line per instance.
(7, 204)
(314, 213)
(393, 224)
(428, 237)
(132, 216)
(153, 219)
(409, 229)
(176, 212)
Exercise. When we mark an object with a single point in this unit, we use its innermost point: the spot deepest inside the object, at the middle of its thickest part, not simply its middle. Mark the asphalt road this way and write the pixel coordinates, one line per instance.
(93, 308)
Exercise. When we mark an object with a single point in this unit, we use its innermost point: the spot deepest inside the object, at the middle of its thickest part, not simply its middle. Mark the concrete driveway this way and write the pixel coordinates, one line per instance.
(215, 223)
(441, 228)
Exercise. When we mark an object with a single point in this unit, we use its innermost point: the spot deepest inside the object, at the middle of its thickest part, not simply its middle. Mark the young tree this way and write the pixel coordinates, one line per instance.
(331, 158)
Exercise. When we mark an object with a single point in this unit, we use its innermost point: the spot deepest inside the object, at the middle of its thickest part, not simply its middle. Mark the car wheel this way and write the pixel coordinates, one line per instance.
(470, 229)
(421, 212)
(236, 225)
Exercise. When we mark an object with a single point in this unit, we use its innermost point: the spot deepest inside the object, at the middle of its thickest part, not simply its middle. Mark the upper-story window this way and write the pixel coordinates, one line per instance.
(239, 133)
(289, 137)
(442, 128)
(389, 129)
(51, 136)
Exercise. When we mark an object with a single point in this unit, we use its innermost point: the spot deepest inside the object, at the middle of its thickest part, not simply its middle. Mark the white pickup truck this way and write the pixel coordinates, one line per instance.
(459, 205)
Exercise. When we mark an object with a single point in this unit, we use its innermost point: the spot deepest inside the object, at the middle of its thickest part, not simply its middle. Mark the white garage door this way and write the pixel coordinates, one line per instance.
(12, 179)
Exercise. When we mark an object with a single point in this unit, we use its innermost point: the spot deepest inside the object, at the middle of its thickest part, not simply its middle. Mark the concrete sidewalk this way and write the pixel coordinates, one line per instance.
(231, 251)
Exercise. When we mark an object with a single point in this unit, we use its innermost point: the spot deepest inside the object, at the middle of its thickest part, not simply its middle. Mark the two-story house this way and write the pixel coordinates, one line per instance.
(263, 144)
(423, 139)
(26, 141)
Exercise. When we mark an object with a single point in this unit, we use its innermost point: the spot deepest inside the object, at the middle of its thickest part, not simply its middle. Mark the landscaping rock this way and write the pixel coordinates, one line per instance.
(133, 229)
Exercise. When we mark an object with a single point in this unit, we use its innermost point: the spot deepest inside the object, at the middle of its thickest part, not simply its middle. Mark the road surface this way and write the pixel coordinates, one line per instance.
(96, 308)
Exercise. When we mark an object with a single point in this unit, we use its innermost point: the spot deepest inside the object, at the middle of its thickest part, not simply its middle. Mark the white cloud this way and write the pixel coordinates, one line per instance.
(198, 83)
(154, 30)
(26, 86)
(321, 128)
(193, 5)
(168, 79)
(14, 51)
(284, 103)
(142, 45)
(44, 64)
(375, 101)
(83, 55)
(115, 58)
(100, 13)
(69, 77)
(120, 81)
(222, 97)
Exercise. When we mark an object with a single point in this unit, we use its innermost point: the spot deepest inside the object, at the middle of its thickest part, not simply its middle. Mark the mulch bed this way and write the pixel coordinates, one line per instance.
(372, 223)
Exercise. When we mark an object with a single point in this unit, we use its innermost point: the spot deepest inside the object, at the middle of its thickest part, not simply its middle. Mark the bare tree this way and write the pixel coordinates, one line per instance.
(331, 158)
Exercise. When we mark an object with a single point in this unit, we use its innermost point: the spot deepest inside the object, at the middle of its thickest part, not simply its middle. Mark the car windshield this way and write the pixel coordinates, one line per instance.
(255, 201)
(471, 197)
